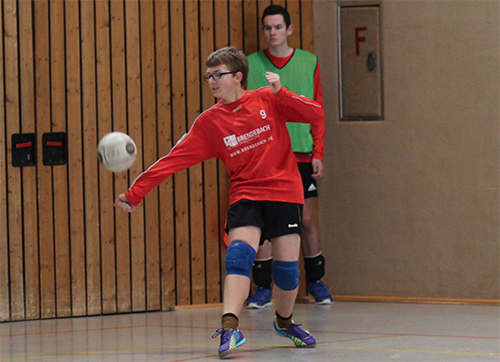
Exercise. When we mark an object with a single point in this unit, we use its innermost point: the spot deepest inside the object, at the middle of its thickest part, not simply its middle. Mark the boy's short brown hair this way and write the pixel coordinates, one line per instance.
(233, 58)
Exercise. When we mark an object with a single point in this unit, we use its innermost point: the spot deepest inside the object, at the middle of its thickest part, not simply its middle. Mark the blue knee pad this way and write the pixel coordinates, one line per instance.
(286, 274)
(239, 258)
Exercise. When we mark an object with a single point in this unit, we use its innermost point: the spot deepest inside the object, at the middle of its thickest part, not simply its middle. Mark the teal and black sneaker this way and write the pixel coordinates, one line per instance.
(229, 340)
(299, 336)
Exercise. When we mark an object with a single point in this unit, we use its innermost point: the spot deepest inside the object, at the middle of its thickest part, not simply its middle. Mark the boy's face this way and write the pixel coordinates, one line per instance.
(275, 30)
(226, 82)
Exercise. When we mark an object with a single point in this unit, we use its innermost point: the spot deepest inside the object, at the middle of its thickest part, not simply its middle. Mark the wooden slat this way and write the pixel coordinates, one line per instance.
(106, 196)
(60, 175)
(4, 249)
(221, 26)
(212, 220)
(293, 8)
(122, 225)
(150, 153)
(166, 212)
(75, 160)
(135, 130)
(196, 210)
(14, 177)
(236, 24)
(27, 77)
(179, 125)
(307, 28)
(252, 26)
(46, 227)
(261, 5)
(89, 121)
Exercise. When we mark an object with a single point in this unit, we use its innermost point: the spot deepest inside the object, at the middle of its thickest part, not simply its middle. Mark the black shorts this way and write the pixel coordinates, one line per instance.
(272, 217)
(309, 184)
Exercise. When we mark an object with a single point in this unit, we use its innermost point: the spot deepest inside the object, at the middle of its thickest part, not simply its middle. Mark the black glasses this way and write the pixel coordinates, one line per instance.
(216, 76)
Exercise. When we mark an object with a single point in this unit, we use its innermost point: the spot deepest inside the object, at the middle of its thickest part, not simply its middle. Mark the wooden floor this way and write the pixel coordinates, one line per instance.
(346, 331)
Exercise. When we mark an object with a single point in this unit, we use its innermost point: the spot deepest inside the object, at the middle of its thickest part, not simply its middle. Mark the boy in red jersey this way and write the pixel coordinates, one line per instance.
(247, 131)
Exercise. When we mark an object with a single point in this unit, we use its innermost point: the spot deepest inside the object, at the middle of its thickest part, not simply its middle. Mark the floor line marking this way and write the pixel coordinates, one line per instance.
(321, 346)
(248, 329)
(105, 351)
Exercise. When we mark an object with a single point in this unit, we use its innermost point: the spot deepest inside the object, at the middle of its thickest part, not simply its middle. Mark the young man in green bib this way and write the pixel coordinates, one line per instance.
(299, 72)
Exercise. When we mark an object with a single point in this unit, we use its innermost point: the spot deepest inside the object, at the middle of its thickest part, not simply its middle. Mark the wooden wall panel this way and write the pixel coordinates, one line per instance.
(134, 106)
(165, 142)
(30, 219)
(104, 126)
(179, 127)
(210, 177)
(236, 21)
(87, 68)
(90, 174)
(44, 174)
(193, 109)
(307, 32)
(59, 173)
(4, 247)
(150, 153)
(121, 180)
(75, 160)
(294, 10)
(14, 177)
(252, 26)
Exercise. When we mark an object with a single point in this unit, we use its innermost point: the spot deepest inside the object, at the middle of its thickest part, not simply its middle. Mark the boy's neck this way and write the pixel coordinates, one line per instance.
(234, 96)
(281, 51)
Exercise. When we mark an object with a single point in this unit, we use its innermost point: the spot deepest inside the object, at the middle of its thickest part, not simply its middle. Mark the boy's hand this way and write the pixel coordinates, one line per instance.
(317, 166)
(274, 81)
(121, 202)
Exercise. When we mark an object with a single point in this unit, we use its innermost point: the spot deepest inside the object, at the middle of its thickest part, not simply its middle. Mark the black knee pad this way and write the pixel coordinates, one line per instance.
(262, 272)
(315, 268)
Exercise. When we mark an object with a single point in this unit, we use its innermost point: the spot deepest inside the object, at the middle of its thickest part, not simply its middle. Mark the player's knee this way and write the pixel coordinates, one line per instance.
(262, 273)
(239, 258)
(314, 267)
(286, 274)
(308, 221)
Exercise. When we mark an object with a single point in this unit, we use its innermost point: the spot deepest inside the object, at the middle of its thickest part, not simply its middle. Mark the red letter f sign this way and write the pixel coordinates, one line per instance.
(359, 38)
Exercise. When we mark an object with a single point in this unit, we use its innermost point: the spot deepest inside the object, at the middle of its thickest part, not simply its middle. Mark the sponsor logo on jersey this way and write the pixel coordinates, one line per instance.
(233, 140)
(293, 225)
(230, 141)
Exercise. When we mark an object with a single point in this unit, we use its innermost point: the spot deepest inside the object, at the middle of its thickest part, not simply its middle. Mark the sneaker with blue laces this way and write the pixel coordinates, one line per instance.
(261, 299)
(318, 291)
(229, 340)
(299, 336)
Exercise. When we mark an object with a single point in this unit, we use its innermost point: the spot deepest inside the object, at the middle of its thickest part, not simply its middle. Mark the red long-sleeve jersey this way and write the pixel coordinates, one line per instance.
(250, 137)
